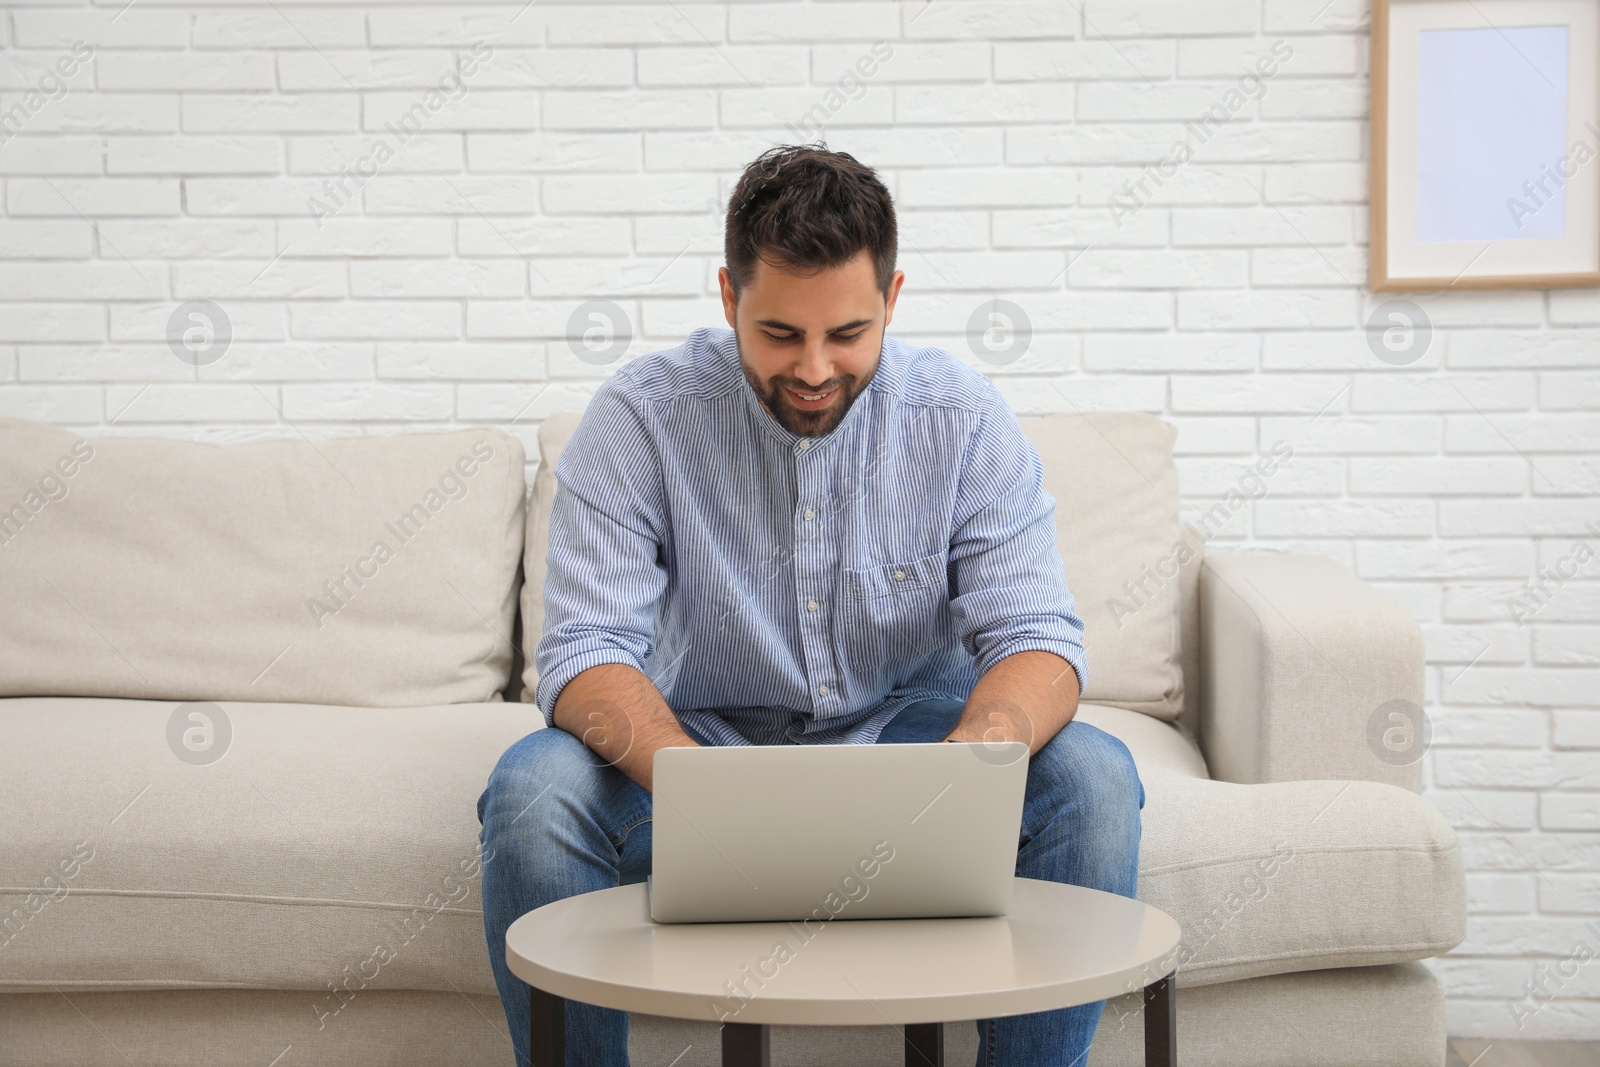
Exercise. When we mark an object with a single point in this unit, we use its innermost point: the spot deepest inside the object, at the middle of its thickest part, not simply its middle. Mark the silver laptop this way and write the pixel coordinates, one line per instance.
(796, 832)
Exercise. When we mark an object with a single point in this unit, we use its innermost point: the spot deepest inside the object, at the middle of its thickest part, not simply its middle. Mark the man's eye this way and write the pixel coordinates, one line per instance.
(780, 338)
(850, 337)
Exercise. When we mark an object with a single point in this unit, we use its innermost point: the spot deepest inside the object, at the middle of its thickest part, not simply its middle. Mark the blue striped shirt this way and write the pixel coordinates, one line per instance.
(789, 590)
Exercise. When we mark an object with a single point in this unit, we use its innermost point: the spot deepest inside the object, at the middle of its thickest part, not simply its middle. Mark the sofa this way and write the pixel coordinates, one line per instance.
(252, 691)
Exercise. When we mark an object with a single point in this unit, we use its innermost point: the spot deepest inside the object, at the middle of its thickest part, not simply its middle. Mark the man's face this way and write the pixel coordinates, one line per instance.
(810, 344)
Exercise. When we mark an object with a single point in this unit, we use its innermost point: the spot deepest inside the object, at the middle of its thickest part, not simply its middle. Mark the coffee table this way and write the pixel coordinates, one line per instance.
(1061, 945)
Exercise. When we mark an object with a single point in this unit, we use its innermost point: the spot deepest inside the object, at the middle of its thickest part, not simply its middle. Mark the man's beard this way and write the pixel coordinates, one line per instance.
(796, 421)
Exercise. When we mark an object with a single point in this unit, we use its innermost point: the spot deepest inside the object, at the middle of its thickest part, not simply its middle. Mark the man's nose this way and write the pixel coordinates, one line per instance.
(815, 366)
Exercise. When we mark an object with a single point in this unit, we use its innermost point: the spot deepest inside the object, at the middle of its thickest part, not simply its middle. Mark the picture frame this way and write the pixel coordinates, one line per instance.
(1485, 144)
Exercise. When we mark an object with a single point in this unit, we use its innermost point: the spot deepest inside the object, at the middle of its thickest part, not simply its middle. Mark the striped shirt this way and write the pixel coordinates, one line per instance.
(780, 589)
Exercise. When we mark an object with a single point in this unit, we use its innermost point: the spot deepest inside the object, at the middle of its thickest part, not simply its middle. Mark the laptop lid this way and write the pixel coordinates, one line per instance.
(796, 832)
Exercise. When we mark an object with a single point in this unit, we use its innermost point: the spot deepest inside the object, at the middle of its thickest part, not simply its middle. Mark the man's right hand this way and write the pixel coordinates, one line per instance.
(621, 716)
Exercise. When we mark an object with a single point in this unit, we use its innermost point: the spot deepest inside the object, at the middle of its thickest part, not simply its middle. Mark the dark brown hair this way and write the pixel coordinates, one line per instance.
(805, 209)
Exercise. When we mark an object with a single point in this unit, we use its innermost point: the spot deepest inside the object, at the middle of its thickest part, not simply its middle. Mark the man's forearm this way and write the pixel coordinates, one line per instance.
(620, 714)
(1028, 697)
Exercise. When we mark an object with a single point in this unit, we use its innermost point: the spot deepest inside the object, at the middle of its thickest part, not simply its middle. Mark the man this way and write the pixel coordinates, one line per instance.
(802, 531)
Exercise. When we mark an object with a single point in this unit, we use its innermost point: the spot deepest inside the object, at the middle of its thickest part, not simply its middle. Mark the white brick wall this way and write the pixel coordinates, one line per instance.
(587, 157)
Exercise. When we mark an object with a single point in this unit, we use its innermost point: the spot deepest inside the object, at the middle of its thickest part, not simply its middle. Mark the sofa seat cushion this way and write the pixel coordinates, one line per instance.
(1292, 876)
(337, 847)
(378, 570)
(328, 846)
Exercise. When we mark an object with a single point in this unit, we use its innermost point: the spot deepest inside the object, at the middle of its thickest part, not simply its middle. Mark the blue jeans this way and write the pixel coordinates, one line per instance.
(558, 822)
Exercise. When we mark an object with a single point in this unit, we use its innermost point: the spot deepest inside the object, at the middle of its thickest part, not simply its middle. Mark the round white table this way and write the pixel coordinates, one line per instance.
(1060, 946)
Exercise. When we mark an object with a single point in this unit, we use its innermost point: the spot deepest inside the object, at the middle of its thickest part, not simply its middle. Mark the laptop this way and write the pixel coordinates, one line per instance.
(802, 832)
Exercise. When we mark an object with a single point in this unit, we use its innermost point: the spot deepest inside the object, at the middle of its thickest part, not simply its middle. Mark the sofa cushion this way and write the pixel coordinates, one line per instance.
(328, 846)
(328, 837)
(554, 433)
(1293, 876)
(1116, 493)
(377, 570)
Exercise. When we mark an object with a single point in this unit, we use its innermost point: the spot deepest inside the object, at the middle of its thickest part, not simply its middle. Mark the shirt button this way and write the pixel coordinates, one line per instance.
(811, 605)
(805, 443)
(822, 690)
(809, 514)
(899, 576)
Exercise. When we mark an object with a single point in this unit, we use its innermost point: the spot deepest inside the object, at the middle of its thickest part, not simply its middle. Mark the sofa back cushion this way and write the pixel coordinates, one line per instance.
(554, 433)
(378, 571)
(1116, 494)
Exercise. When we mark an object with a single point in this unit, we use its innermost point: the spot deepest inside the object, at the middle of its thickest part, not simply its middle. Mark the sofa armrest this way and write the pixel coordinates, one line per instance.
(1297, 656)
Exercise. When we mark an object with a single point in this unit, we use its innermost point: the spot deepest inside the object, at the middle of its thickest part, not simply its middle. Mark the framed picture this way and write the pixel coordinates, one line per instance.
(1485, 144)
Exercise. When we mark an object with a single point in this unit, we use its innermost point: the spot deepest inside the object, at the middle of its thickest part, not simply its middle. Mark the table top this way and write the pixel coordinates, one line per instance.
(1060, 945)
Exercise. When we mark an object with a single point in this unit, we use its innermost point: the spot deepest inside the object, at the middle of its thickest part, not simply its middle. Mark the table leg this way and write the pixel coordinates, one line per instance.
(746, 1045)
(1161, 1024)
(548, 1015)
(925, 1045)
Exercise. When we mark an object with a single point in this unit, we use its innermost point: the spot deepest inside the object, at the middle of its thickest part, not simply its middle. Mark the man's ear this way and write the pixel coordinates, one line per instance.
(730, 301)
(895, 281)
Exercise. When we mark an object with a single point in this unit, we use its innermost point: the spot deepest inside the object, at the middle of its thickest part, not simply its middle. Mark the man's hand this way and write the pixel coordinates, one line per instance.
(621, 716)
(1027, 697)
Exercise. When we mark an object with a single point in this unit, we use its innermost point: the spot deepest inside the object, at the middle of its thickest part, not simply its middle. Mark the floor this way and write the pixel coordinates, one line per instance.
(1465, 1052)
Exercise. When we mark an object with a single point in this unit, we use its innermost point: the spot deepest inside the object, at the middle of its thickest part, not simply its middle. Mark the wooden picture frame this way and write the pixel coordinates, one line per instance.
(1435, 41)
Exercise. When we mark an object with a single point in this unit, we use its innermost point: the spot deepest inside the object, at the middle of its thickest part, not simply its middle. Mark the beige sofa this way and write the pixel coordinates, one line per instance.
(252, 692)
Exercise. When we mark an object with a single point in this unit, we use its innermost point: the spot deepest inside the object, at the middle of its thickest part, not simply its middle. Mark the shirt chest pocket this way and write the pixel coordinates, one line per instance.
(892, 615)
(911, 577)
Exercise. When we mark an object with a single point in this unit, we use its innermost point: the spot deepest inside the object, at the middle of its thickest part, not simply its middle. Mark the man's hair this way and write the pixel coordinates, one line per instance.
(804, 209)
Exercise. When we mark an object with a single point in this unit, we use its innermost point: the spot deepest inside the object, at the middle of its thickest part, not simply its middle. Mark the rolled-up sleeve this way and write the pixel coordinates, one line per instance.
(604, 568)
(1011, 589)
